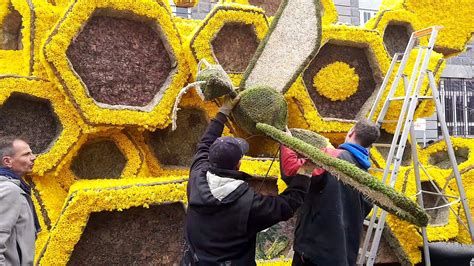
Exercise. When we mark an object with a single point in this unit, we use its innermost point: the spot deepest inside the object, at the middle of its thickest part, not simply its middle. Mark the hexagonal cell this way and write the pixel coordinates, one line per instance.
(439, 216)
(265, 186)
(388, 248)
(386, 138)
(99, 159)
(357, 58)
(10, 30)
(270, 6)
(122, 59)
(234, 46)
(137, 236)
(396, 37)
(441, 158)
(31, 118)
(177, 148)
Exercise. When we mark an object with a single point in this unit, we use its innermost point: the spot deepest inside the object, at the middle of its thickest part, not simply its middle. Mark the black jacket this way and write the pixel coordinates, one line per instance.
(330, 221)
(223, 232)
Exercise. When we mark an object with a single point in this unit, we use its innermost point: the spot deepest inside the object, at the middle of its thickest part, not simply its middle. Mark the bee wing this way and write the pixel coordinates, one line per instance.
(293, 39)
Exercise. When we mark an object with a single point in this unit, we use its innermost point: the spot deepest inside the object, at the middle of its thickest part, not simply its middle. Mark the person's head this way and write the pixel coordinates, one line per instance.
(226, 152)
(363, 133)
(16, 154)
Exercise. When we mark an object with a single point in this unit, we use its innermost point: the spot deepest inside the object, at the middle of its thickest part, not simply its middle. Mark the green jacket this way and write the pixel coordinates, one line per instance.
(17, 229)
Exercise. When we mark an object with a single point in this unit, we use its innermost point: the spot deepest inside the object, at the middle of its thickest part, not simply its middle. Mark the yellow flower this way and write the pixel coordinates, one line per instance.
(337, 81)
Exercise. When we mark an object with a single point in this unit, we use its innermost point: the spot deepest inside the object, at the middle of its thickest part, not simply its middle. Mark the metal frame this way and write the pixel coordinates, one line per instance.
(403, 130)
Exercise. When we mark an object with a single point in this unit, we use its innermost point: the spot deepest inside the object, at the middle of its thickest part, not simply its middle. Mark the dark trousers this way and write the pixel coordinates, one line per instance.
(299, 260)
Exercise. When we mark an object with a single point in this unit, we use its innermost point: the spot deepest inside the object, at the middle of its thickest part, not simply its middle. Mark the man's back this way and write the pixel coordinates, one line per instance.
(330, 219)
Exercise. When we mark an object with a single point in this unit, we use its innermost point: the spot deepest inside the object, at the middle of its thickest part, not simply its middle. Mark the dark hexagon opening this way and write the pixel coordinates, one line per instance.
(10, 30)
(265, 186)
(137, 236)
(396, 37)
(270, 6)
(441, 158)
(386, 138)
(122, 59)
(177, 148)
(99, 159)
(357, 58)
(31, 118)
(234, 46)
(388, 247)
(438, 216)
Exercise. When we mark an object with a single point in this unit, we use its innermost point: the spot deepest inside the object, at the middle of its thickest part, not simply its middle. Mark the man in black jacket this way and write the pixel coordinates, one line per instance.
(224, 214)
(330, 221)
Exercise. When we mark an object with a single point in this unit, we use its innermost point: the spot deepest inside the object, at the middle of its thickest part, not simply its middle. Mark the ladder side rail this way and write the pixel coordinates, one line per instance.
(414, 153)
(394, 173)
(383, 86)
(393, 88)
(401, 118)
(452, 158)
(413, 103)
(376, 242)
(381, 222)
(400, 149)
(368, 236)
(444, 198)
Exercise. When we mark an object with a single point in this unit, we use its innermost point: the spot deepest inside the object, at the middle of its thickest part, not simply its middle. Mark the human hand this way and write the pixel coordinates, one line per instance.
(229, 104)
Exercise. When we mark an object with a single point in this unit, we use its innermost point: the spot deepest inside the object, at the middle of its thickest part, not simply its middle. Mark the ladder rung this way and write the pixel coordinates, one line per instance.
(397, 98)
(382, 145)
(403, 98)
(425, 97)
(377, 169)
(422, 47)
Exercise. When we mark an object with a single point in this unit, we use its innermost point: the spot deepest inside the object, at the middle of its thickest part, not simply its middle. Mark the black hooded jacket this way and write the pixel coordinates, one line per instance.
(330, 221)
(224, 214)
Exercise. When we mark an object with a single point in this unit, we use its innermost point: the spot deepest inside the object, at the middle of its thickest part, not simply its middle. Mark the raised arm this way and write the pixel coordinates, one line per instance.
(213, 131)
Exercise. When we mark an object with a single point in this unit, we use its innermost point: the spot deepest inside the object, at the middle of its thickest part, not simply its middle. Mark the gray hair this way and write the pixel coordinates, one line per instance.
(6, 146)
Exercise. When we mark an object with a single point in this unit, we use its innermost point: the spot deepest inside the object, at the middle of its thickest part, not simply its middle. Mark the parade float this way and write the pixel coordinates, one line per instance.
(92, 86)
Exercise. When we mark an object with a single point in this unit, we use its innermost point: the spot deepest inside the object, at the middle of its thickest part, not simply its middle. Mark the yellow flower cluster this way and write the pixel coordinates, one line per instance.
(22, 57)
(336, 81)
(61, 71)
(277, 262)
(457, 20)
(409, 236)
(133, 155)
(199, 42)
(86, 197)
(70, 122)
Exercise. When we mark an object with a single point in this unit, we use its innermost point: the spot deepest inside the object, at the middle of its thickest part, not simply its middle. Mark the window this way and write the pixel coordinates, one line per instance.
(365, 15)
(457, 98)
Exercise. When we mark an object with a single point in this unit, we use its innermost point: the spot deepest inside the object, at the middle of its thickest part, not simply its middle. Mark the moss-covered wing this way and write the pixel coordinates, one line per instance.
(281, 56)
(217, 83)
(260, 104)
(310, 137)
(383, 196)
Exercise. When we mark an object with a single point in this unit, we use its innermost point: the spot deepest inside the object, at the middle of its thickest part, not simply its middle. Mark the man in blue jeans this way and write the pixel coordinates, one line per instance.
(224, 214)
(330, 221)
